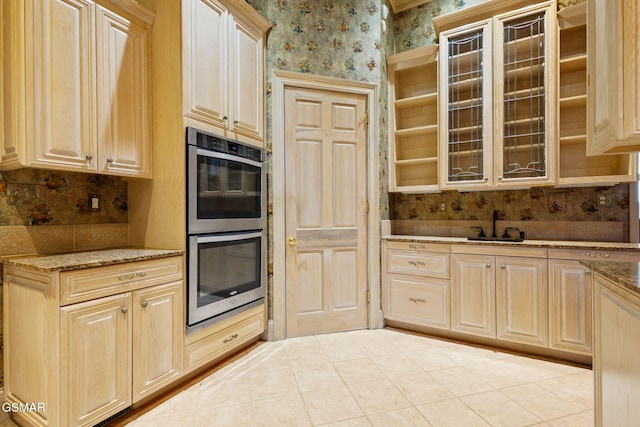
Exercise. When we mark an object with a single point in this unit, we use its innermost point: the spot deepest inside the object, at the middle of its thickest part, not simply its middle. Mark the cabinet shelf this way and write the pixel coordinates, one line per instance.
(573, 102)
(413, 121)
(416, 101)
(417, 131)
(418, 161)
(576, 62)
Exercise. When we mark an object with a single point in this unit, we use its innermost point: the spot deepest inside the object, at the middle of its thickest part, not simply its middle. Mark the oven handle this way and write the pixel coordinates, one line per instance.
(232, 158)
(228, 237)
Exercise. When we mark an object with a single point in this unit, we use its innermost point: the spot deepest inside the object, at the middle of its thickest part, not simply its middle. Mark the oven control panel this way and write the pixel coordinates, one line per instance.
(223, 145)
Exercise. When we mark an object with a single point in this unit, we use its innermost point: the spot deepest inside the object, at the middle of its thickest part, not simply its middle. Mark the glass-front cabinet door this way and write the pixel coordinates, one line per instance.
(497, 109)
(465, 108)
(525, 98)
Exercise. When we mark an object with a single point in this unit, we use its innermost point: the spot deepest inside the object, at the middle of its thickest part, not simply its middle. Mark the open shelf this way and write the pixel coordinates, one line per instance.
(413, 154)
(575, 168)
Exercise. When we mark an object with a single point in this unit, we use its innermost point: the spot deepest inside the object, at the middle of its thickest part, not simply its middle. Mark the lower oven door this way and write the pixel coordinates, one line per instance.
(226, 271)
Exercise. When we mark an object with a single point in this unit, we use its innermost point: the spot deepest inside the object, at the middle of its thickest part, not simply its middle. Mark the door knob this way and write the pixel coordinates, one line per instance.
(292, 241)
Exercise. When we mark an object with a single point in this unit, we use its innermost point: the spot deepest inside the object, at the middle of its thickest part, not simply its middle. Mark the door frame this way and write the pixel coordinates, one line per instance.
(282, 80)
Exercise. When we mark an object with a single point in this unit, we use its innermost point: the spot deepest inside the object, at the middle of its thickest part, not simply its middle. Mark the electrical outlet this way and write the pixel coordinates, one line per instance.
(94, 203)
(442, 207)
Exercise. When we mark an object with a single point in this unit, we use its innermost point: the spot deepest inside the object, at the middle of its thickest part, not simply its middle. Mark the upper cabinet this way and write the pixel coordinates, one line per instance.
(223, 68)
(613, 68)
(76, 86)
(575, 167)
(497, 117)
(413, 121)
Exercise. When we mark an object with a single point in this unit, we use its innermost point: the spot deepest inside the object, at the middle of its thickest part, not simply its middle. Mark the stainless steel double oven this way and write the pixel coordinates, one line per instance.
(226, 222)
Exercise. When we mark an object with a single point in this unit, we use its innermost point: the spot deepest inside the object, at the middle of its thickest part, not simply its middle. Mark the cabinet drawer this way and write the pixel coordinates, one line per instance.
(418, 300)
(217, 344)
(595, 254)
(91, 283)
(431, 264)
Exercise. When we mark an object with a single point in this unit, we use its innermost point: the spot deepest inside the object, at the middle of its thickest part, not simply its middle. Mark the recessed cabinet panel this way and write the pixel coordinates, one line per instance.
(473, 307)
(124, 141)
(614, 76)
(570, 306)
(421, 300)
(521, 300)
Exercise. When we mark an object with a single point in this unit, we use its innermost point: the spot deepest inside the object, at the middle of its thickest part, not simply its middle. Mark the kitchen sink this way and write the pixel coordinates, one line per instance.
(496, 239)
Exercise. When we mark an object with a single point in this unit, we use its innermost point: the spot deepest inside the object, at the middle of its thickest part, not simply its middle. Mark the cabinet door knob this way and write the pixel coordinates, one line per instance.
(225, 117)
(503, 266)
(235, 122)
(292, 241)
(124, 310)
(144, 303)
(88, 156)
(109, 160)
(488, 264)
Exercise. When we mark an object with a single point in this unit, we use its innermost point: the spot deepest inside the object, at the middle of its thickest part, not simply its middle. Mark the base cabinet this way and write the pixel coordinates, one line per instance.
(617, 345)
(473, 303)
(119, 341)
(95, 353)
(570, 307)
(521, 300)
(416, 286)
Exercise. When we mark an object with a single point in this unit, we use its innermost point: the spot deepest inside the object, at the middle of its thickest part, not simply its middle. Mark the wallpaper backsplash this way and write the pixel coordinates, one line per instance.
(595, 213)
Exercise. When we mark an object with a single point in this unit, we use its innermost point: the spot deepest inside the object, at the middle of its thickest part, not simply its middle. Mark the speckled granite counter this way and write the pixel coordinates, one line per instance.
(624, 274)
(526, 243)
(79, 260)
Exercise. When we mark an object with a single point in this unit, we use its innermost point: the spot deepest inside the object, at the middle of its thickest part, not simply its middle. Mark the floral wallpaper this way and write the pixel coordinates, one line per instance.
(536, 204)
(336, 38)
(43, 197)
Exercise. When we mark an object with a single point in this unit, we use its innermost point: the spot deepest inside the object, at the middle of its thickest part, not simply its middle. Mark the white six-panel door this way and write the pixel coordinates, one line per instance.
(326, 212)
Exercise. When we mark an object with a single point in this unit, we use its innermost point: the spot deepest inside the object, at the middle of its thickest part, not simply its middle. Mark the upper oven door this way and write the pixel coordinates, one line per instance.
(225, 192)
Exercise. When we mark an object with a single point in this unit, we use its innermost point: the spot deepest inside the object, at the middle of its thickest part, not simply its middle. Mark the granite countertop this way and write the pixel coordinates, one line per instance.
(624, 274)
(559, 244)
(80, 260)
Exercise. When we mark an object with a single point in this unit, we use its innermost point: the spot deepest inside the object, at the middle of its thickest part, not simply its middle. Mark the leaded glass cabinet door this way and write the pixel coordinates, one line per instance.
(466, 107)
(525, 97)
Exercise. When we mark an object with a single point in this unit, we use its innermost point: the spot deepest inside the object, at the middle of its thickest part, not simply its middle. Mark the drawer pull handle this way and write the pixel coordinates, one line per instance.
(231, 338)
(416, 263)
(144, 303)
(417, 300)
(124, 310)
(132, 276)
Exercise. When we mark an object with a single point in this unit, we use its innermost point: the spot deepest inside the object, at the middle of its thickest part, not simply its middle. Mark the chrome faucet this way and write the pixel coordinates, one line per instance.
(495, 217)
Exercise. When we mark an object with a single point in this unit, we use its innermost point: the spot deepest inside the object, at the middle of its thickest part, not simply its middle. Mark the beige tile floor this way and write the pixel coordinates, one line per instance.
(381, 378)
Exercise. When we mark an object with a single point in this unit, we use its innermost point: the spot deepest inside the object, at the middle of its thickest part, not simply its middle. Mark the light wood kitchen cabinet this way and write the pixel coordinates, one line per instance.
(521, 300)
(98, 339)
(570, 309)
(413, 121)
(223, 68)
(613, 73)
(473, 294)
(416, 283)
(95, 358)
(497, 119)
(79, 98)
(575, 167)
(616, 347)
